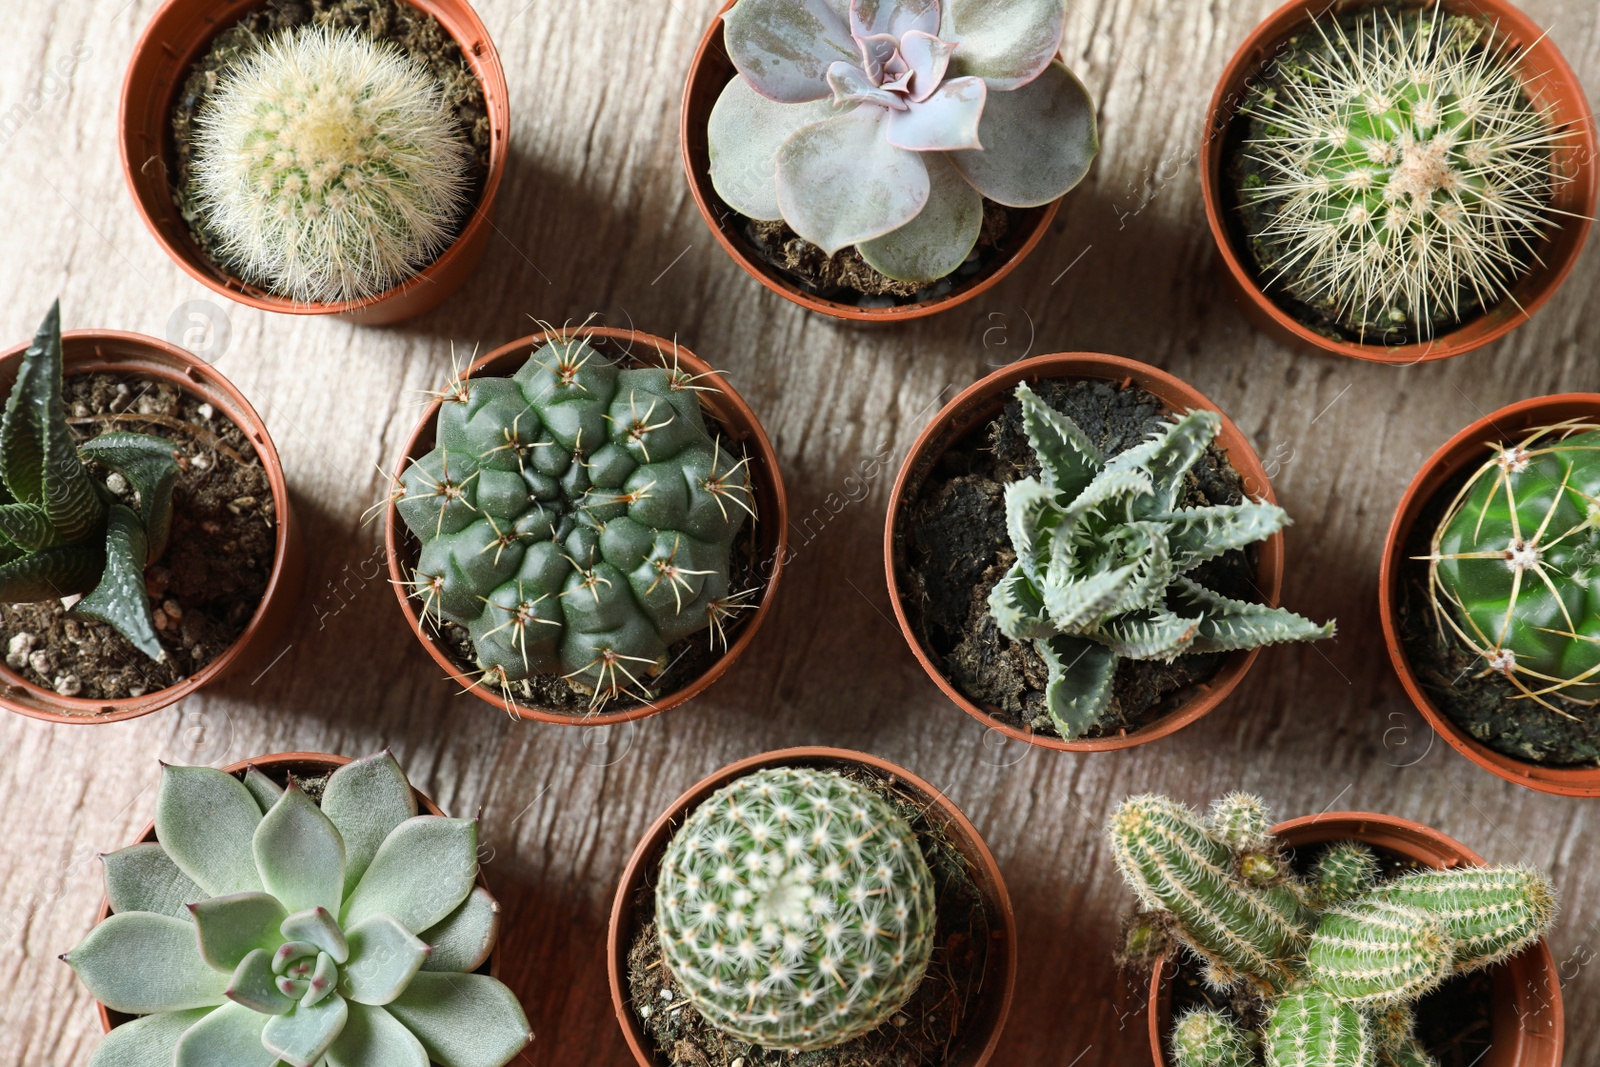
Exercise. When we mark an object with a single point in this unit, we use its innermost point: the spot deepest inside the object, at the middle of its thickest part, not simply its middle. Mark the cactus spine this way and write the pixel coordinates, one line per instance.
(1313, 1029)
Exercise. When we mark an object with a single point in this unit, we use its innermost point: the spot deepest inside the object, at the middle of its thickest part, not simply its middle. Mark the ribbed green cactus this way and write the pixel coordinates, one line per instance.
(1515, 559)
(1103, 550)
(576, 518)
(795, 909)
(1206, 1037)
(1336, 958)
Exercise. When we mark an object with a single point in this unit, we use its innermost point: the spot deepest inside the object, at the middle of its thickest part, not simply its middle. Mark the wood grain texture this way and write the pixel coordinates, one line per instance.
(595, 216)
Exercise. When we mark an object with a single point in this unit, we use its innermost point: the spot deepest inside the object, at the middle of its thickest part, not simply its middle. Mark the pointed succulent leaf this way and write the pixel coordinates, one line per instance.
(302, 1037)
(52, 573)
(462, 940)
(928, 58)
(264, 789)
(148, 464)
(150, 1041)
(1031, 516)
(1068, 460)
(1226, 624)
(26, 526)
(1079, 689)
(851, 85)
(318, 927)
(255, 986)
(939, 239)
(141, 963)
(1312, 1029)
(300, 854)
(947, 121)
(228, 1037)
(366, 799)
(1145, 544)
(1076, 605)
(231, 927)
(463, 1020)
(324, 979)
(205, 820)
(120, 600)
(1199, 534)
(422, 872)
(373, 1038)
(143, 878)
(841, 182)
(784, 47)
(384, 956)
(744, 134)
(1038, 141)
(1119, 486)
(1009, 44)
(1167, 456)
(896, 18)
(1017, 608)
(1159, 635)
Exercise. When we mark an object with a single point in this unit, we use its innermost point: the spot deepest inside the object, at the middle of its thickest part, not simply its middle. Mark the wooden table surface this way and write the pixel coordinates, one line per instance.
(595, 217)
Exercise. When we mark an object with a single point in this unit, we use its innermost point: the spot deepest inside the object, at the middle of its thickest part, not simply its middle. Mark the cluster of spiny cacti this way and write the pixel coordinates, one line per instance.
(577, 518)
(62, 532)
(795, 909)
(1103, 554)
(887, 125)
(329, 165)
(1514, 562)
(1337, 957)
(263, 927)
(1403, 174)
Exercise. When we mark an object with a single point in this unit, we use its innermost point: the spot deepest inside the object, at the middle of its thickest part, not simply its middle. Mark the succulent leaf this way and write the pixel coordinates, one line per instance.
(463, 1020)
(300, 854)
(784, 47)
(141, 963)
(1007, 44)
(302, 1037)
(745, 132)
(150, 1041)
(939, 239)
(264, 789)
(205, 820)
(317, 926)
(461, 941)
(1079, 689)
(27, 526)
(1159, 635)
(946, 121)
(384, 956)
(143, 878)
(119, 600)
(1068, 460)
(255, 985)
(1227, 624)
(233, 926)
(896, 18)
(228, 1037)
(1017, 609)
(366, 799)
(52, 573)
(1204, 533)
(374, 1038)
(840, 181)
(421, 873)
(1038, 140)
(147, 463)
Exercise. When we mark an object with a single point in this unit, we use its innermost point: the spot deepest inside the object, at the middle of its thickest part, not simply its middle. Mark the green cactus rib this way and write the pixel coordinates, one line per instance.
(1345, 871)
(1490, 913)
(1514, 564)
(577, 518)
(795, 909)
(1206, 1037)
(1312, 1029)
(1374, 953)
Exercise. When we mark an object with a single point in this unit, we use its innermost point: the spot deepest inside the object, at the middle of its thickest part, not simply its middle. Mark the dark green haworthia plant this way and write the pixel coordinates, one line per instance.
(62, 532)
(1337, 958)
(1104, 555)
(262, 928)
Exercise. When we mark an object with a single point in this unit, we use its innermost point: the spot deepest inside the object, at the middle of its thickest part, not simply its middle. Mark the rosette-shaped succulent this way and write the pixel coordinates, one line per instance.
(577, 518)
(1103, 552)
(1515, 564)
(795, 908)
(884, 124)
(263, 929)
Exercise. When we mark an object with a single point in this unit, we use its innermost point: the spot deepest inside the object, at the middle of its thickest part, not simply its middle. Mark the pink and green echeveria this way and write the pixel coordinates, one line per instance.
(884, 124)
(264, 929)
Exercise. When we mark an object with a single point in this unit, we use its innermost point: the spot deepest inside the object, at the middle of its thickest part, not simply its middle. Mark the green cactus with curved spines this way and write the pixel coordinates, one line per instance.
(62, 532)
(576, 518)
(1373, 953)
(1401, 174)
(1311, 1028)
(1342, 873)
(1206, 1037)
(795, 909)
(1514, 565)
(1489, 913)
(1241, 821)
(1103, 553)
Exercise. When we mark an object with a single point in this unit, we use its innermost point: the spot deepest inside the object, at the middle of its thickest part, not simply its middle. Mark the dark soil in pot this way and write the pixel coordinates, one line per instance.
(206, 586)
(921, 1033)
(412, 30)
(1483, 703)
(958, 549)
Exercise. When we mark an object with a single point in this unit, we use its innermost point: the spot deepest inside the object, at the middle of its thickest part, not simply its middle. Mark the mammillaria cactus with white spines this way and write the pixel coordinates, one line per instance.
(1103, 553)
(795, 908)
(884, 124)
(330, 166)
(577, 518)
(1334, 960)
(263, 929)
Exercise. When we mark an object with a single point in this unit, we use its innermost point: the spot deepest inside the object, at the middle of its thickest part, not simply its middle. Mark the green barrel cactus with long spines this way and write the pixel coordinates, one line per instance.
(1334, 960)
(62, 531)
(795, 909)
(264, 928)
(576, 518)
(1104, 553)
(1397, 174)
(1514, 565)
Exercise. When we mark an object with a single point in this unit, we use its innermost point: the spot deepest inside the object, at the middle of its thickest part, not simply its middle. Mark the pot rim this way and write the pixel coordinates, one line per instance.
(691, 127)
(970, 409)
(123, 352)
(1455, 455)
(739, 418)
(1530, 974)
(1552, 80)
(465, 27)
(654, 838)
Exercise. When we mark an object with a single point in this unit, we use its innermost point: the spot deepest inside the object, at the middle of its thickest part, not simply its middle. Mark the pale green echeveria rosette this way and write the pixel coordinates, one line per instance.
(263, 929)
(884, 124)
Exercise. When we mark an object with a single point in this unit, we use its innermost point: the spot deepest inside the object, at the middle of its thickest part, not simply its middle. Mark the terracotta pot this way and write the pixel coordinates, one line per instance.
(980, 1032)
(970, 412)
(1549, 82)
(1527, 1020)
(176, 37)
(737, 422)
(1465, 450)
(93, 351)
(709, 74)
(276, 766)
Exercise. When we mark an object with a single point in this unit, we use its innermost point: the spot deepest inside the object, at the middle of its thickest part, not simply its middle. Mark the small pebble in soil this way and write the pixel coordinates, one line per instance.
(205, 411)
(70, 602)
(41, 661)
(156, 580)
(17, 650)
(116, 483)
(201, 462)
(68, 685)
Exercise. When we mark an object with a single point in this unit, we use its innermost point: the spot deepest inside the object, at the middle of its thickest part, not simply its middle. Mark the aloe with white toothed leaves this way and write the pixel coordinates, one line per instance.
(62, 532)
(262, 928)
(1103, 560)
(885, 124)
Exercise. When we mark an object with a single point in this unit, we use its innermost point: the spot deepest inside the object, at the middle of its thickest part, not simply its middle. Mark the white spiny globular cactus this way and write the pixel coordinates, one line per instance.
(330, 166)
(1402, 175)
(795, 909)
